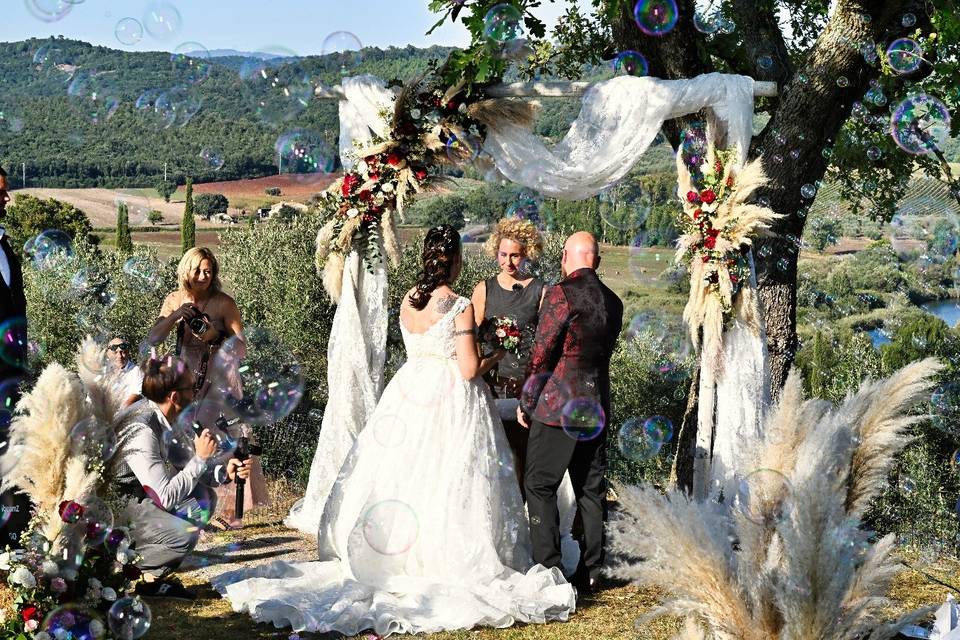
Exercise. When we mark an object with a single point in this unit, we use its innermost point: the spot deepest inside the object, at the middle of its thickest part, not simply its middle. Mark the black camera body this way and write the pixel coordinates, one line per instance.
(242, 453)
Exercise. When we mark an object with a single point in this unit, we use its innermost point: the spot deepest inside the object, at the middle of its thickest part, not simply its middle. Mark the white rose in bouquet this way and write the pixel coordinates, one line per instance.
(96, 628)
(22, 576)
(109, 594)
(49, 568)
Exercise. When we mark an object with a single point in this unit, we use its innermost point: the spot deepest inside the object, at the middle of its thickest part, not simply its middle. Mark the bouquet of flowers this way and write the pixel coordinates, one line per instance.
(503, 332)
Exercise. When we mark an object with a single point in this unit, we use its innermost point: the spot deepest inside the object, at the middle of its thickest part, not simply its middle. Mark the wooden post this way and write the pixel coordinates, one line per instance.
(541, 90)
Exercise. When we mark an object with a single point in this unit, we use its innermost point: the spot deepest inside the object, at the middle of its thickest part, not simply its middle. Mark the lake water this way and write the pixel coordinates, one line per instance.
(947, 310)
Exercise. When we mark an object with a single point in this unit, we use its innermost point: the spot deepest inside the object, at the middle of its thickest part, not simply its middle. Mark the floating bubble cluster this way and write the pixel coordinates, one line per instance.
(463, 150)
(260, 378)
(70, 621)
(641, 439)
(48, 248)
(212, 159)
(143, 274)
(96, 93)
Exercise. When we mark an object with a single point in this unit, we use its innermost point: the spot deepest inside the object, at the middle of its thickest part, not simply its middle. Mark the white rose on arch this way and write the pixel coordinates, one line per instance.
(22, 576)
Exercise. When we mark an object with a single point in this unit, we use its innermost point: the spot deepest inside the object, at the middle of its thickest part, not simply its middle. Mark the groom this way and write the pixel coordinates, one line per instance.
(569, 371)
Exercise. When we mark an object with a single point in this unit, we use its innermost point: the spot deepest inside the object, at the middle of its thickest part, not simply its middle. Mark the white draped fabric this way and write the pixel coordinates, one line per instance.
(357, 348)
(618, 121)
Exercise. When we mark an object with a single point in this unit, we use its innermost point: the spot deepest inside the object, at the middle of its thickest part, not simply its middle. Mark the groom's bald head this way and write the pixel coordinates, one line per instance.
(580, 251)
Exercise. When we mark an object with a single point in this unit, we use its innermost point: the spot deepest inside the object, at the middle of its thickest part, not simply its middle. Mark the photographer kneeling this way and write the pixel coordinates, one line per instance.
(169, 486)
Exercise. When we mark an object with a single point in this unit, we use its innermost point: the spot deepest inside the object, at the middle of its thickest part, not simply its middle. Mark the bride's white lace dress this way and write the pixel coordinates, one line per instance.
(425, 529)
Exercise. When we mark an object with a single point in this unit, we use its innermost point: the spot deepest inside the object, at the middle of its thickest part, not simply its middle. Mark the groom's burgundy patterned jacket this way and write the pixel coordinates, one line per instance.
(580, 320)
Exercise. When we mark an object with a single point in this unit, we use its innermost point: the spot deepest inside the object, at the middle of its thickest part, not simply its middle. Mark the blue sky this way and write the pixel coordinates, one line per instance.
(246, 25)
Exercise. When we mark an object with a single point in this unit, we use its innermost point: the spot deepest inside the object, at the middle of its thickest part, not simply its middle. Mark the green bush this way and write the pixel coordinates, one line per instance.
(272, 191)
(155, 217)
(29, 216)
(166, 188)
(207, 205)
(89, 294)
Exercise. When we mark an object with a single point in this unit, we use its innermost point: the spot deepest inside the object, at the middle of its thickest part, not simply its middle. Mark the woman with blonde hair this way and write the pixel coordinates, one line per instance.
(514, 293)
(204, 316)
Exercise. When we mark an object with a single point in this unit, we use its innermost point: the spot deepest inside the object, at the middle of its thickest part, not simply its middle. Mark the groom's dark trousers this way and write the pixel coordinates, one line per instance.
(569, 371)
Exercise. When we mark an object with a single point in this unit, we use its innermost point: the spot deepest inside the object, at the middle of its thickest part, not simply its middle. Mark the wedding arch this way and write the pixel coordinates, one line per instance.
(393, 138)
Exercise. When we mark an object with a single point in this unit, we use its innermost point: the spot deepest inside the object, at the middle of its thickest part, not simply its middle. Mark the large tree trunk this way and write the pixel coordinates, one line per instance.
(812, 108)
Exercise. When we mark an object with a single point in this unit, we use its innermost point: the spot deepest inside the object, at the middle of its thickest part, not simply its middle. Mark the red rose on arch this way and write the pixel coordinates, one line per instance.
(693, 196)
(711, 240)
(349, 182)
(420, 173)
(393, 159)
(697, 214)
(30, 612)
(365, 195)
(375, 177)
(705, 259)
(708, 196)
(733, 278)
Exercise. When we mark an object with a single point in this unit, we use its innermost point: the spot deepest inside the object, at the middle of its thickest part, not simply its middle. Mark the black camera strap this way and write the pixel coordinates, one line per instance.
(201, 372)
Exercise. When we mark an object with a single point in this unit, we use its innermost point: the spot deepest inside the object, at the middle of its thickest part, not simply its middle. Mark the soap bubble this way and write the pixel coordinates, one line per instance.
(635, 443)
(765, 62)
(97, 520)
(707, 23)
(582, 419)
(390, 431)
(390, 527)
(761, 495)
(11, 121)
(632, 63)
(808, 191)
(191, 63)
(908, 20)
(49, 248)
(48, 10)
(502, 24)
(98, 441)
(874, 153)
(463, 150)
(142, 273)
(97, 94)
(920, 124)
(69, 621)
(542, 389)
(212, 159)
(259, 376)
(129, 618)
(656, 17)
(907, 485)
(276, 85)
(843, 82)
(345, 47)
(177, 106)
(162, 20)
(128, 31)
(138, 206)
(623, 208)
(47, 57)
(305, 154)
(526, 206)
(904, 55)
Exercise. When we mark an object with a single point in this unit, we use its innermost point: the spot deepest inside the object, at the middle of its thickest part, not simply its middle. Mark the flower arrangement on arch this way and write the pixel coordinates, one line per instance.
(718, 226)
(432, 126)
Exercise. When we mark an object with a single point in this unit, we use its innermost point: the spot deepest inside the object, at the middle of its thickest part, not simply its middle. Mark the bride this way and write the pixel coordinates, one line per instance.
(425, 529)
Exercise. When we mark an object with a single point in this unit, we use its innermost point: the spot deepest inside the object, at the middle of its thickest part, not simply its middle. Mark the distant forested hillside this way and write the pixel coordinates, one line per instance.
(71, 113)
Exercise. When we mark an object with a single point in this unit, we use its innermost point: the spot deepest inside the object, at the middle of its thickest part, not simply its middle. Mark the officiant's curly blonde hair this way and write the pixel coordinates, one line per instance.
(523, 232)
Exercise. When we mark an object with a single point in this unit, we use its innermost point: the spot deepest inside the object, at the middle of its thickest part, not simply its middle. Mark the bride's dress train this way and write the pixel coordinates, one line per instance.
(424, 529)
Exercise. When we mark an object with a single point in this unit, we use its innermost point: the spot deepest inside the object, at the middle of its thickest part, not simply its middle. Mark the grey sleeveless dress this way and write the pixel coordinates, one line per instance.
(507, 377)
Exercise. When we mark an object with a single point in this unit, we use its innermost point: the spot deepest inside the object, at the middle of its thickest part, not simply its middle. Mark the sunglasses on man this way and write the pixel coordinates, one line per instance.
(123, 346)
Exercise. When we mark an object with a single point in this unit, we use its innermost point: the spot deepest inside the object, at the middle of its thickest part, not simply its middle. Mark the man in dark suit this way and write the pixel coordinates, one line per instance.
(14, 507)
(566, 405)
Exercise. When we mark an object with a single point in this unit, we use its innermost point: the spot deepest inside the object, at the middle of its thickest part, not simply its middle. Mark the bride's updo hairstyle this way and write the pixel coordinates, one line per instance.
(441, 249)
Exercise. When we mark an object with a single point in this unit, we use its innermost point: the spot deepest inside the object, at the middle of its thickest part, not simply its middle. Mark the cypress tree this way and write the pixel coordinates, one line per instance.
(188, 228)
(124, 241)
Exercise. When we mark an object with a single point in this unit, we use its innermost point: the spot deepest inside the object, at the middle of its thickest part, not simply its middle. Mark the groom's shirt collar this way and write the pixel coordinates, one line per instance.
(579, 272)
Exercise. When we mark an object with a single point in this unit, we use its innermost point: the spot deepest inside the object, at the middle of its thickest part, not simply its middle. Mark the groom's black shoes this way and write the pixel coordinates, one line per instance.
(585, 584)
(165, 588)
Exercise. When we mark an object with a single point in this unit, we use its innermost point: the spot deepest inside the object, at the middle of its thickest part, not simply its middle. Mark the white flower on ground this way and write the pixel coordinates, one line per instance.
(96, 628)
(31, 625)
(109, 594)
(22, 576)
(49, 568)
(353, 213)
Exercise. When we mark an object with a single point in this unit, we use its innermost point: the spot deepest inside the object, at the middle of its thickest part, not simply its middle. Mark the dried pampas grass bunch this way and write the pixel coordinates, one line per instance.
(62, 427)
(786, 557)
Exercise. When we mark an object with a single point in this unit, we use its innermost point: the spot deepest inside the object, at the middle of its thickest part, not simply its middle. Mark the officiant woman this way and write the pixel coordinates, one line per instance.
(513, 293)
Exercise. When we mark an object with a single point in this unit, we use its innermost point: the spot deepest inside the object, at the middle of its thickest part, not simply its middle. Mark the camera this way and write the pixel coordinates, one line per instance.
(199, 324)
(221, 434)
(242, 453)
